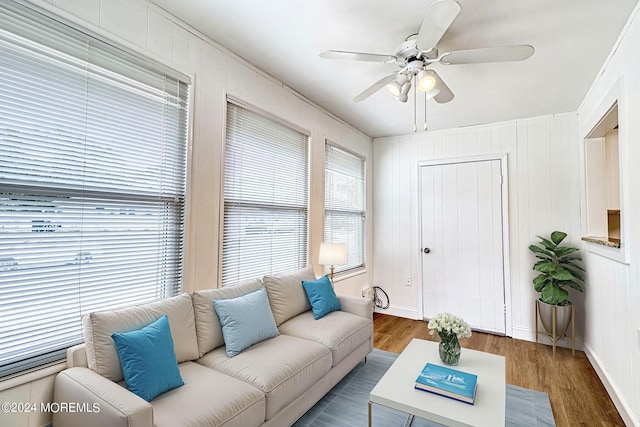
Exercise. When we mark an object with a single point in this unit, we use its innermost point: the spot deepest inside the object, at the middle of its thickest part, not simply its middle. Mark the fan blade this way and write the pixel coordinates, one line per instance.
(444, 94)
(439, 17)
(375, 87)
(491, 54)
(357, 56)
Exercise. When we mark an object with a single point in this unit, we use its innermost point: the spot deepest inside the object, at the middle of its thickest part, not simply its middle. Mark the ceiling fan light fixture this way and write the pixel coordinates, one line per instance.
(403, 96)
(405, 88)
(426, 82)
(397, 86)
(394, 88)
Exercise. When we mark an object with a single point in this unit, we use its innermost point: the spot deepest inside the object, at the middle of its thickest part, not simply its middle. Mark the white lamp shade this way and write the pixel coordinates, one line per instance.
(426, 81)
(399, 85)
(394, 87)
(333, 254)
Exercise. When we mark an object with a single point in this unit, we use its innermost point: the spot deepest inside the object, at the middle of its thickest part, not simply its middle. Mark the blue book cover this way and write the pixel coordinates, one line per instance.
(448, 382)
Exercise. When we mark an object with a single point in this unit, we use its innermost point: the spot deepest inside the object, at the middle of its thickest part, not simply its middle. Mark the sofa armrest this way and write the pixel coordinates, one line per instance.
(86, 398)
(77, 356)
(360, 306)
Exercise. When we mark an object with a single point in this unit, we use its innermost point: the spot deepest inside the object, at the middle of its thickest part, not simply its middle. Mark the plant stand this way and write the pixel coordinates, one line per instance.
(553, 335)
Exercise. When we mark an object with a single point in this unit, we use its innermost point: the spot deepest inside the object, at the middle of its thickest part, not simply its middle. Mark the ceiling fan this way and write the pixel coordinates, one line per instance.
(419, 51)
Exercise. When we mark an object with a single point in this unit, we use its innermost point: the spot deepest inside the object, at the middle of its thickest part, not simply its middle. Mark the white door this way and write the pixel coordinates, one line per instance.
(462, 240)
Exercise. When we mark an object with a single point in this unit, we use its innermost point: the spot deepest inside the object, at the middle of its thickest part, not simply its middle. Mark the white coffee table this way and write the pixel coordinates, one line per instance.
(396, 388)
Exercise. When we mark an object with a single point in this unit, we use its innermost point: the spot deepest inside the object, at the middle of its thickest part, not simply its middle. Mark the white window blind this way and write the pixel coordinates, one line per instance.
(265, 197)
(92, 183)
(344, 203)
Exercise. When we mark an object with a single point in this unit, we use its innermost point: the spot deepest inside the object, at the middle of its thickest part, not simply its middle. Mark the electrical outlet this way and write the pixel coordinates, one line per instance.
(368, 293)
(407, 281)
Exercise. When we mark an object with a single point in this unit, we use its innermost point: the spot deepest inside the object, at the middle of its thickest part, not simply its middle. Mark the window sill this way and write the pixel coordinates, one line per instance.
(32, 375)
(338, 277)
(604, 247)
(602, 241)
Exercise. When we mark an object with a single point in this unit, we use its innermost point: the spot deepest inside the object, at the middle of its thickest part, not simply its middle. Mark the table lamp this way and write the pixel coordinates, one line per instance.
(332, 254)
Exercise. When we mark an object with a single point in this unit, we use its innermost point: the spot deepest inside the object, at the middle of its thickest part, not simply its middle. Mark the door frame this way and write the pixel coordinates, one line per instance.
(506, 270)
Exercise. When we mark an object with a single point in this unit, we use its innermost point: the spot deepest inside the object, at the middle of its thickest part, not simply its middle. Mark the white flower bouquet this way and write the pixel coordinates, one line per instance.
(446, 324)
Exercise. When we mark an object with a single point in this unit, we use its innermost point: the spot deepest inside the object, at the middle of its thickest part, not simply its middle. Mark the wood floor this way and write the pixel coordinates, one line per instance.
(577, 395)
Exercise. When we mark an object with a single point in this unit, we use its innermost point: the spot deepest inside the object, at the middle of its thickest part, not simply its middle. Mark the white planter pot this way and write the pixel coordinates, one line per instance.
(563, 318)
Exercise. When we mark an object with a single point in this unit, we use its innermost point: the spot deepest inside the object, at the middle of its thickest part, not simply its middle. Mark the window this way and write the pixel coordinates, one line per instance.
(265, 197)
(344, 203)
(603, 179)
(604, 148)
(92, 183)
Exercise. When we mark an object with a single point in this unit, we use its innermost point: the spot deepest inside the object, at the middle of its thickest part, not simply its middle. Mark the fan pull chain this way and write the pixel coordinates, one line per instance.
(425, 111)
(415, 103)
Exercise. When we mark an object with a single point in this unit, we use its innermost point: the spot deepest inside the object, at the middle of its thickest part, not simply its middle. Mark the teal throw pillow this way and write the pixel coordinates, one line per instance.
(321, 296)
(148, 360)
(245, 320)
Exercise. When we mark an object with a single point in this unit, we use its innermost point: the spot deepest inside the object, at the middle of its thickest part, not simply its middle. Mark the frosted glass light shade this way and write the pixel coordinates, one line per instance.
(394, 88)
(425, 81)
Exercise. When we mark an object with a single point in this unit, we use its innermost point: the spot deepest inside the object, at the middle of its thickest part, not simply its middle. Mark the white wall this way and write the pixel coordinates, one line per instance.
(612, 300)
(543, 164)
(217, 72)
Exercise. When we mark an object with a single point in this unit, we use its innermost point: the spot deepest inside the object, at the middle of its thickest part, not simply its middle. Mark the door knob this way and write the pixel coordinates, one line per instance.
(426, 250)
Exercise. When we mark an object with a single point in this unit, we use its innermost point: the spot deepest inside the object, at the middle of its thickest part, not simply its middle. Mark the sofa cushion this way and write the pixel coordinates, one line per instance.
(341, 332)
(321, 296)
(147, 359)
(246, 320)
(209, 398)
(286, 294)
(97, 328)
(208, 328)
(282, 367)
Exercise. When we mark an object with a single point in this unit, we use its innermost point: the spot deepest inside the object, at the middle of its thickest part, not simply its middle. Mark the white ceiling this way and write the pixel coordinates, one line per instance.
(572, 39)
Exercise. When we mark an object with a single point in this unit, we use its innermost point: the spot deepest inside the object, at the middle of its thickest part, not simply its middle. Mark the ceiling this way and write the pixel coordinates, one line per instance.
(284, 38)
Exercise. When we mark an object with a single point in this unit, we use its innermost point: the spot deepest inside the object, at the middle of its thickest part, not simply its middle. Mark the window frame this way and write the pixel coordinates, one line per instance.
(346, 270)
(239, 103)
(591, 130)
(47, 19)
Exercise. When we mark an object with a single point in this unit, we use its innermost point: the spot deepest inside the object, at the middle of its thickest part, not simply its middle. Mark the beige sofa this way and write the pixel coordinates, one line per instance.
(271, 383)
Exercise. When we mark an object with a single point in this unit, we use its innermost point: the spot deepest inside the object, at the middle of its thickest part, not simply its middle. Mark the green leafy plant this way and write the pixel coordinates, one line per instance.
(559, 266)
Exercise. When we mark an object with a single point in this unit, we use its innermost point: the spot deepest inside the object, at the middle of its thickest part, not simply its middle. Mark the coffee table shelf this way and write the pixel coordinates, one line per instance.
(396, 388)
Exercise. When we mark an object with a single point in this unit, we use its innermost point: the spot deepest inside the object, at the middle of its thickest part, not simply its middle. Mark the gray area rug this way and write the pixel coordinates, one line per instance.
(346, 404)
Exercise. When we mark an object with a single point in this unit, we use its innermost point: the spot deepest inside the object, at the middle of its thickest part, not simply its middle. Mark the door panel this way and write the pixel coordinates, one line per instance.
(462, 225)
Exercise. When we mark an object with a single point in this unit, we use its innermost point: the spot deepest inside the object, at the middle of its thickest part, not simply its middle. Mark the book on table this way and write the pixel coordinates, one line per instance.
(448, 382)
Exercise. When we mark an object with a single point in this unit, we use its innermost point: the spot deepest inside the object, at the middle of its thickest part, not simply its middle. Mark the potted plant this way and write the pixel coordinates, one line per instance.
(559, 266)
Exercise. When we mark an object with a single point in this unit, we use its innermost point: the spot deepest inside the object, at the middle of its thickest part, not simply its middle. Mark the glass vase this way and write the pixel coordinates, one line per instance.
(449, 349)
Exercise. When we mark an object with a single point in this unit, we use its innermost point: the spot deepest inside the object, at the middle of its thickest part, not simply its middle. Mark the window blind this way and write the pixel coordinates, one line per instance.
(344, 200)
(92, 183)
(265, 197)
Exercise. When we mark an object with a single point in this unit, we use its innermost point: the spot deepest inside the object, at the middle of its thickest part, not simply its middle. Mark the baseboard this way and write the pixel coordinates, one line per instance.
(623, 408)
(399, 311)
